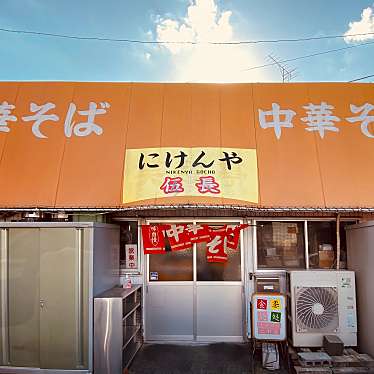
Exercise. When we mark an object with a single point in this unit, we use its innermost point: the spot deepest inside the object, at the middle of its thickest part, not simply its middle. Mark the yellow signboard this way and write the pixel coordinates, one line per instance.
(229, 173)
(276, 304)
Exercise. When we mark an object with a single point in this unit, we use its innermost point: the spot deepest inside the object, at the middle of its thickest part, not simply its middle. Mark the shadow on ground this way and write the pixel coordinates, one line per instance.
(219, 358)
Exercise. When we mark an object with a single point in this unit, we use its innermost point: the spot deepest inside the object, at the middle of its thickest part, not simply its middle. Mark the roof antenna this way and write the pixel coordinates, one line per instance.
(287, 73)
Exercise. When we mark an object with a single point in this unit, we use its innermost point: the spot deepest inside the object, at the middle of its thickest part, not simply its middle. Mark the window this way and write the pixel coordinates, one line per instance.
(179, 265)
(280, 245)
(322, 245)
(171, 266)
(129, 248)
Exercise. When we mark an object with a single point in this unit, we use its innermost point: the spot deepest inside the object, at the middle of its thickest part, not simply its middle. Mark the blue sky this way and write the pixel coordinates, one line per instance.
(26, 57)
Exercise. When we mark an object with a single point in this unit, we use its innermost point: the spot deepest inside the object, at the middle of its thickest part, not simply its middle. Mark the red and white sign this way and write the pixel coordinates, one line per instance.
(233, 236)
(153, 239)
(198, 233)
(178, 237)
(215, 248)
(182, 236)
(131, 256)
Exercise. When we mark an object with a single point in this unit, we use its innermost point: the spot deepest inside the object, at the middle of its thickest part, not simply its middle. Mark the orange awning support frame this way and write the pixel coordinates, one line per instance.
(237, 208)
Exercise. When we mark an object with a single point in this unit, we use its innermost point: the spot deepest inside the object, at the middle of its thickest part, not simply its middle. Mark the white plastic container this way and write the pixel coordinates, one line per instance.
(270, 356)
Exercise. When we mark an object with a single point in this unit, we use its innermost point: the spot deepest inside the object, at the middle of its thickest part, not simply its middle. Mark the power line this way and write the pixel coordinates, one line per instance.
(308, 56)
(362, 78)
(138, 41)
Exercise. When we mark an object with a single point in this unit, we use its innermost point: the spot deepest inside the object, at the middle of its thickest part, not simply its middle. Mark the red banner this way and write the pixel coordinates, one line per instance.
(178, 237)
(153, 239)
(215, 248)
(233, 236)
(198, 233)
(181, 236)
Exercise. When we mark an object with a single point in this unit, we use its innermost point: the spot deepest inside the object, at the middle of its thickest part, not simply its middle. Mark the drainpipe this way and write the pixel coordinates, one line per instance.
(338, 241)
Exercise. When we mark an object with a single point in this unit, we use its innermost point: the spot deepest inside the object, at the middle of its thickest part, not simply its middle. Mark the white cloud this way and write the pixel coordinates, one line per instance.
(365, 25)
(204, 22)
(147, 56)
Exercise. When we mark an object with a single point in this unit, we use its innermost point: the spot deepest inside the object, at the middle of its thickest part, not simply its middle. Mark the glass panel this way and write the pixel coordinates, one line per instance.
(228, 271)
(171, 266)
(322, 245)
(280, 245)
(129, 235)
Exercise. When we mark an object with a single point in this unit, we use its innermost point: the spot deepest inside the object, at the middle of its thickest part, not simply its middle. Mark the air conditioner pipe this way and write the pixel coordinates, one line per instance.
(338, 241)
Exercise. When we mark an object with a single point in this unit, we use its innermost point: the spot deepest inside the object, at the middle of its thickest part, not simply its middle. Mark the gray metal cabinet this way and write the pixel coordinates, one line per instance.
(118, 330)
(49, 274)
(360, 247)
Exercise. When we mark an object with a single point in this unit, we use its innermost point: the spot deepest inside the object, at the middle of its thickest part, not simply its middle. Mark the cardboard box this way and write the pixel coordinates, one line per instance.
(274, 262)
(290, 251)
(326, 259)
(291, 262)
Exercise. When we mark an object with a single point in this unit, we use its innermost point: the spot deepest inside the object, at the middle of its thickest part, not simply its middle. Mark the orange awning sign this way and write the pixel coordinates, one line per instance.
(124, 145)
(319, 118)
(45, 113)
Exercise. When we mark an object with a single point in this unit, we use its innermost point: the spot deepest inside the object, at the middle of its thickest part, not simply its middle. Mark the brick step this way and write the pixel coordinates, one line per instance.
(314, 370)
(305, 360)
(311, 359)
(353, 370)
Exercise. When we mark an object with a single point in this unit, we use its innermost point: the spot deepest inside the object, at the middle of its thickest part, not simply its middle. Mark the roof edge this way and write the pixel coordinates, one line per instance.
(247, 209)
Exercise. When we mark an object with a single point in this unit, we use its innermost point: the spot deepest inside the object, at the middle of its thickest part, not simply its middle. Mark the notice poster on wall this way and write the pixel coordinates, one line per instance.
(269, 317)
(131, 256)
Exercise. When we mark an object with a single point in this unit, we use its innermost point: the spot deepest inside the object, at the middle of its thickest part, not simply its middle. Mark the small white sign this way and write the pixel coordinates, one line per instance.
(154, 276)
(346, 283)
(131, 256)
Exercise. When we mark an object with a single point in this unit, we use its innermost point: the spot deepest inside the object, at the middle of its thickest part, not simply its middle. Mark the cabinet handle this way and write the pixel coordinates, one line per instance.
(42, 304)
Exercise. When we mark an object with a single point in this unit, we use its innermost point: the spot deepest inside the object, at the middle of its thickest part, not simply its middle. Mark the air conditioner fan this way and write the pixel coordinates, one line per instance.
(317, 309)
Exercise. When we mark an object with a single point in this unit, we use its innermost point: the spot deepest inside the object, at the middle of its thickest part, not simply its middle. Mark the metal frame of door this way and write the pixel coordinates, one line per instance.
(245, 244)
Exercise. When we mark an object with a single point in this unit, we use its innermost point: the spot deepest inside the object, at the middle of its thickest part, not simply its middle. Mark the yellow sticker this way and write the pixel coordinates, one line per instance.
(152, 173)
(275, 304)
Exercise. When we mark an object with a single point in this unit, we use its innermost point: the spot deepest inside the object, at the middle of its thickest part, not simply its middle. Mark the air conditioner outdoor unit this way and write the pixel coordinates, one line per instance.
(321, 302)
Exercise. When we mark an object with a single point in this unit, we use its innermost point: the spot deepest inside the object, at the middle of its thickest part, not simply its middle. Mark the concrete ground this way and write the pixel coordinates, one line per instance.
(218, 358)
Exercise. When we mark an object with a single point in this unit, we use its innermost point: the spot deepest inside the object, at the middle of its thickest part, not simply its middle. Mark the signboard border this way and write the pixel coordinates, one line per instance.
(253, 309)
